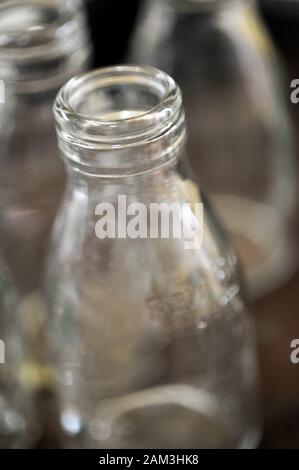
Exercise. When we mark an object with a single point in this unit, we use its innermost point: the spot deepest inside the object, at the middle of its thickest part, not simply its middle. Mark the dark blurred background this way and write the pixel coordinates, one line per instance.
(111, 24)
(111, 35)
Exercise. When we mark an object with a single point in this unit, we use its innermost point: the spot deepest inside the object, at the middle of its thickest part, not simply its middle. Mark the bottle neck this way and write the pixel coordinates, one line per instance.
(159, 184)
(120, 122)
(42, 44)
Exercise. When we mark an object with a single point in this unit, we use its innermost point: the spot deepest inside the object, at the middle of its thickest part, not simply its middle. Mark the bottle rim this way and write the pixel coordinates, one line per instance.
(94, 131)
(106, 139)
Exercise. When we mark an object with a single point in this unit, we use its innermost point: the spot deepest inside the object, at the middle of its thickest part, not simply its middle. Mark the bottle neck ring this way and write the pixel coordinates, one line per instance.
(120, 120)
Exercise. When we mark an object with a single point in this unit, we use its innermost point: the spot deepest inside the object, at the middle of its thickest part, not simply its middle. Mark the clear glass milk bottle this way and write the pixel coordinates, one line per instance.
(240, 143)
(42, 44)
(152, 344)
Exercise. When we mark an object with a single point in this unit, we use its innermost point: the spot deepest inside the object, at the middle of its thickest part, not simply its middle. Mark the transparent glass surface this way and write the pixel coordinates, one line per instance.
(16, 429)
(240, 144)
(152, 344)
(42, 44)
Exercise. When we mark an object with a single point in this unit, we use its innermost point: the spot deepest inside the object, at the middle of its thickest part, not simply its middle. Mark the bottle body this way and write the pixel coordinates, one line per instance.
(32, 182)
(16, 430)
(142, 319)
(240, 143)
(142, 323)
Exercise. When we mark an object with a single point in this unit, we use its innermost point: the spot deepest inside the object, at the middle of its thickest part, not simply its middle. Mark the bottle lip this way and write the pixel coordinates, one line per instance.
(94, 131)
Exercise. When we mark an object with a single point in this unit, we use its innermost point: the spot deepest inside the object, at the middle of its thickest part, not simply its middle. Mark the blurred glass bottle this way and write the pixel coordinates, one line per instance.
(42, 44)
(240, 138)
(153, 345)
(16, 429)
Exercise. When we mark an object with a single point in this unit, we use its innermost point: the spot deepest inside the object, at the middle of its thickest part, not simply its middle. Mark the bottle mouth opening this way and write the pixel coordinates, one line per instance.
(120, 105)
